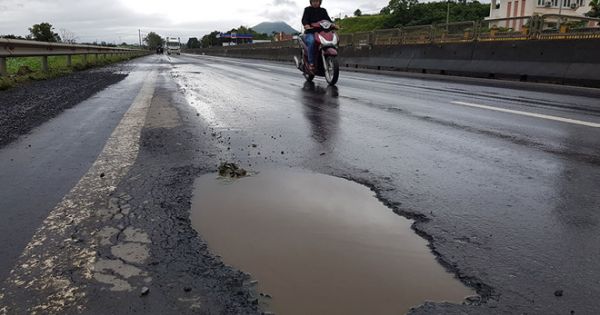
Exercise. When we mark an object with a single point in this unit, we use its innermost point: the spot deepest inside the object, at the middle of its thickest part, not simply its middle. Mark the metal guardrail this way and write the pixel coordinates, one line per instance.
(550, 26)
(514, 28)
(455, 32)
(568, 27)
(12, 48)
(387, 37)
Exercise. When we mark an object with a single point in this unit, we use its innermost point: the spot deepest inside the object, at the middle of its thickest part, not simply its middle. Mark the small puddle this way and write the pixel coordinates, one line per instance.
(319, 244)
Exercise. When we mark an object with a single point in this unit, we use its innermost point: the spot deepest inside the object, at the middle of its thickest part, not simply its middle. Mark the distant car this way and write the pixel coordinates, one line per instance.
(159, 50)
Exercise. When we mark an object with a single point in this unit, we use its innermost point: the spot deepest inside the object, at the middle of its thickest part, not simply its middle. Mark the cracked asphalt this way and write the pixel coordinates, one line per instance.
(96, 201)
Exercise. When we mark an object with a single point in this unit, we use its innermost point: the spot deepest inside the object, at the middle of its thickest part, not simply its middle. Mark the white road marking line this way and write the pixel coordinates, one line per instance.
(517, 112)
(41, 273)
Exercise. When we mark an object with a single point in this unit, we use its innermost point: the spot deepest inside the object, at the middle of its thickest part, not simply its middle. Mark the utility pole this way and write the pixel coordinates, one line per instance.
(448, 16)
(560, 7)
(140, 35)
(560, 14)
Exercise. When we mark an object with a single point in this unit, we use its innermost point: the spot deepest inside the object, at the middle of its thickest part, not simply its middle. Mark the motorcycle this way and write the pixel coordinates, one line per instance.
(326, 51)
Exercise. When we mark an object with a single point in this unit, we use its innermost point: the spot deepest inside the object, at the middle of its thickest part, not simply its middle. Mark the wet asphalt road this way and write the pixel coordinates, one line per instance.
(513, 200)
(41, 167)
(509, 201)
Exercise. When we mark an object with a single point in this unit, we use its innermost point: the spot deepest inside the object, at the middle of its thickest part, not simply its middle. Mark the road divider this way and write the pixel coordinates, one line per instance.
(568, 61)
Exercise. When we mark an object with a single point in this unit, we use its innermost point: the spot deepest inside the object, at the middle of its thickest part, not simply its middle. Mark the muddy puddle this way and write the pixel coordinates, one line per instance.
(319, 244)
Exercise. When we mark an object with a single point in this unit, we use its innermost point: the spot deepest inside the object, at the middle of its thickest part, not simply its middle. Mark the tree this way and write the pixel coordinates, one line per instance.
(594, 9)
(193, 42)
(68, 36)
(255, 35)
(11, 36)
(399, 12)
(410, 12)
(211, 39)
(153, 40)
(397, 6)
(43, 32)
(106, 44)
(358, 12)
(385, 11)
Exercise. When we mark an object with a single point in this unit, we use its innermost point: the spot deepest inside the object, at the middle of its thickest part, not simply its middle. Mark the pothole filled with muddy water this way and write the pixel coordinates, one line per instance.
(319, 244)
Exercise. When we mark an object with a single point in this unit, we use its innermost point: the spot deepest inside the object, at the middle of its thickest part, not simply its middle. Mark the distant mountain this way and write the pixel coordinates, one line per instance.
(274, 27)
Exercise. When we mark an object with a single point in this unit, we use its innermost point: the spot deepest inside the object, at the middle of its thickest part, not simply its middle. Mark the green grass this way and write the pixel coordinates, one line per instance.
(23, 69)
(363, 23)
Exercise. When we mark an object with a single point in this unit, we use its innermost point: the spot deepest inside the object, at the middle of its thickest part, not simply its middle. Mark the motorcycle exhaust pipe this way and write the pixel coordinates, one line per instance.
(297, 62)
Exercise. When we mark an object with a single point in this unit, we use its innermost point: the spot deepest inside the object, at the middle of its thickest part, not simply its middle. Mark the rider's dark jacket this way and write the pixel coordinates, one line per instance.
(313, 15)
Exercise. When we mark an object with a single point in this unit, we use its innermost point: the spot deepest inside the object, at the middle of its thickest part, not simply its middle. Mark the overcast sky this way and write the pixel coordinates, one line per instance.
(119, 20)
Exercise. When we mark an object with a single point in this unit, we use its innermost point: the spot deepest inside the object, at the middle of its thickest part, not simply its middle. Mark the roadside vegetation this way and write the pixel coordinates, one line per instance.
(362, 23)
(26, 69)
(400, 13)
(594, 9)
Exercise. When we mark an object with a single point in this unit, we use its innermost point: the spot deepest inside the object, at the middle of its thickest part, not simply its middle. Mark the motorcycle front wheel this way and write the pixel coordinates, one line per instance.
(332, 70)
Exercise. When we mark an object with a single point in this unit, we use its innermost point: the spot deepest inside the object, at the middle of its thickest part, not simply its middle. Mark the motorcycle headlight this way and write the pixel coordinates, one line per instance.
(325, 25)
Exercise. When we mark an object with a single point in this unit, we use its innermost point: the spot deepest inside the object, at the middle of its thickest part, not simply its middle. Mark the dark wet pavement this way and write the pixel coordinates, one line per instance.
(318, 244)
(38, 169)
(511, 200)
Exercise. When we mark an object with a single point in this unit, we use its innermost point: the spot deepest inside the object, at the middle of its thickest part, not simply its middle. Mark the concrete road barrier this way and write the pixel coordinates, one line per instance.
(558, 61)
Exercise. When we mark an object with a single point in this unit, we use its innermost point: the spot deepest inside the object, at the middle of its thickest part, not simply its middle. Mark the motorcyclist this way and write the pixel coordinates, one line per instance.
(312, 14)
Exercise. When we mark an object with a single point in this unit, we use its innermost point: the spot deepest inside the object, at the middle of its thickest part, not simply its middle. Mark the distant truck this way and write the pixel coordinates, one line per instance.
(173, 46)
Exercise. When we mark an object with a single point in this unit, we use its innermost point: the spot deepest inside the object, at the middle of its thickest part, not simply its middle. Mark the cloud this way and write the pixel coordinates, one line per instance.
(283, 10)
(284, 2)
(369, 7)
(120, 20)
(286, 15)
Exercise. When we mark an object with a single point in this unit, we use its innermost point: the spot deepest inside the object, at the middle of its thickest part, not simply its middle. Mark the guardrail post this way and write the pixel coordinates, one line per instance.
(537, 24)
(69, 61)
(431, 34)
(493, 31)
(402, 35)
(45, 67)
(96, 59)
(85, 59)
(3, 66)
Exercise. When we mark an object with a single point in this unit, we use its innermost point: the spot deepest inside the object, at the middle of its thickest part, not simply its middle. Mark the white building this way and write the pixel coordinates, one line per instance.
(501, 9)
